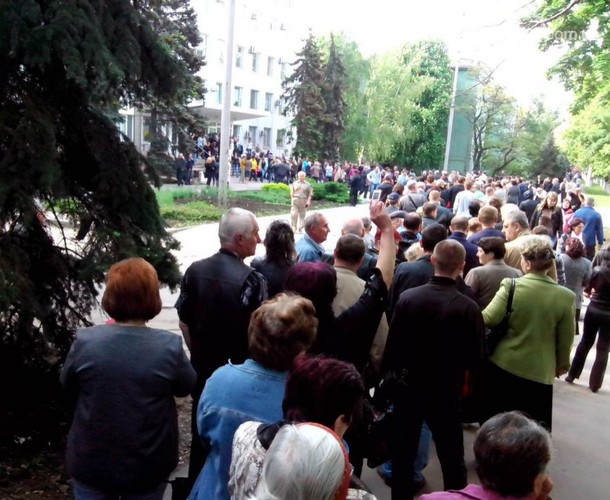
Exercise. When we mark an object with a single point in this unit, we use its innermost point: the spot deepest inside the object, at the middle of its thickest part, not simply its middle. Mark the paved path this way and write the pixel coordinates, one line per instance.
(581, 434)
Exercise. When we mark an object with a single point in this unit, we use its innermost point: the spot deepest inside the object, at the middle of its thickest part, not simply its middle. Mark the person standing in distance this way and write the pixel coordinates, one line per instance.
(300, 195)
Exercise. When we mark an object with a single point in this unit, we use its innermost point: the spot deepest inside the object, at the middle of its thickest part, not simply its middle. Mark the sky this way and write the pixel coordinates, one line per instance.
(477, 30)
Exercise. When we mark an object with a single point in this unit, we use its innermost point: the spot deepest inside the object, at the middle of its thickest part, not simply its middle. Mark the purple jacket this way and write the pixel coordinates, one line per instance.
(472, 491)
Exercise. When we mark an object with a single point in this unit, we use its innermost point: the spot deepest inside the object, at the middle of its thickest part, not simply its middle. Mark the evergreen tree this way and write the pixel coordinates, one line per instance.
(66, 68)
(335, 104)
(303, 94)
(175, 22)
(551, 164)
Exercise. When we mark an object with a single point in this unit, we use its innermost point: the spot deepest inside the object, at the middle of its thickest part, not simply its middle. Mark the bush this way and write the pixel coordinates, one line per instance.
(277, 197)
(335, 192)
(276, 188)
(194, 212)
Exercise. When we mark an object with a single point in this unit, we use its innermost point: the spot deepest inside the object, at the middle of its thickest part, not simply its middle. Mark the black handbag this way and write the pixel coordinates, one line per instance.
(494, 334)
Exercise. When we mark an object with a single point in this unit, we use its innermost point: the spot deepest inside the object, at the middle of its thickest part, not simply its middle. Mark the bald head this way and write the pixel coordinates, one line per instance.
(353, 226)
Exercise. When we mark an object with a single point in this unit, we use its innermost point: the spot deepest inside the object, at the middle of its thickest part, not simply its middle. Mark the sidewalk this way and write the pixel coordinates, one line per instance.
(581, 435)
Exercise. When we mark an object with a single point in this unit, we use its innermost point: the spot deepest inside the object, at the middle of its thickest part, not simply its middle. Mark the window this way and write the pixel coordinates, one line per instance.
(267, 138)
(237, 92)
(279, 138)
(202, 50)
(239, 57)
(270, 63)
(254, 62)
(252, 134)
(253, 99)
(283, 70)
(237, 132)
(218, 93)
(268, 101)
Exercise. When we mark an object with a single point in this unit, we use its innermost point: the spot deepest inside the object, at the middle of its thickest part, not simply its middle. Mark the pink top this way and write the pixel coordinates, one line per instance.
(472, 491)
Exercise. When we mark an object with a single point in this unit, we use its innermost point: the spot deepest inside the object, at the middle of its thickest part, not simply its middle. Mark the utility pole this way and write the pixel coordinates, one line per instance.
(225, 119)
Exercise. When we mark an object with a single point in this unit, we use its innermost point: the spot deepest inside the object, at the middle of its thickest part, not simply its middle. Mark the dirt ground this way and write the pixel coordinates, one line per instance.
(28, 472)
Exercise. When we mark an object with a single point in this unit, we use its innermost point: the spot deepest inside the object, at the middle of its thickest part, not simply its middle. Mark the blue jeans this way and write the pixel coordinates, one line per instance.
(84, 492)
(421, 461)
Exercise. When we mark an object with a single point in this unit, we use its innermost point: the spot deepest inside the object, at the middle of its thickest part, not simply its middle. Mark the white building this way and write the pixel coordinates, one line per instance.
(264, 47)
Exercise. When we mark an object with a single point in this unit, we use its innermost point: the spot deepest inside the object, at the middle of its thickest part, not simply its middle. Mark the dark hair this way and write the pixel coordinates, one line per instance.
(448, 256)
(574, 248)
(281, 329)
(459, 223)
(473, 208)
(511, 451)
(320, 389)
(493, 244)
(279, 242)
(316, 281)
(412, 221)
(350, 248)
(433, 234)
(429, 208)
(132, 291)
(575, 221)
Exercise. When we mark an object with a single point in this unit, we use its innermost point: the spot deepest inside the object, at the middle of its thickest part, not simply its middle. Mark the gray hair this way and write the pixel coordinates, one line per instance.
(353, 226)
(233, 222)
(304, 462)
(511, 450)
(590, 202)
(312, 220)
(518, 217)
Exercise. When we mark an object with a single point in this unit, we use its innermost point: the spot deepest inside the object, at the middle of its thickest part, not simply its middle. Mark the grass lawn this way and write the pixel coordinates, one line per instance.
(602, 198)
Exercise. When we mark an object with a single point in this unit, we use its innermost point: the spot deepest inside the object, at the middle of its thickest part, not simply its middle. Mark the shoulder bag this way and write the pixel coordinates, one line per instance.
(496, 333)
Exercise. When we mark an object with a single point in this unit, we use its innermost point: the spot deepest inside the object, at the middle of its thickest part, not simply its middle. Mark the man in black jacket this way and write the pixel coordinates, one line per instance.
(435, 336)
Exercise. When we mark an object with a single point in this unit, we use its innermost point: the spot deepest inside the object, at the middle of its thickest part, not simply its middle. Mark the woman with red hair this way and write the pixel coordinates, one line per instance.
(121, 379)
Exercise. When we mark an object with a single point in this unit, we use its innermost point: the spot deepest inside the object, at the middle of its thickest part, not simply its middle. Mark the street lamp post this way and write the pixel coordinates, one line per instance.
(225, 119)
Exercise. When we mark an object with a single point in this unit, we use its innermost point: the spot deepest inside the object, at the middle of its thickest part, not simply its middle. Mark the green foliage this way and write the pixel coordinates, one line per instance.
(303, 92)
(333, 92)
(335, 192)
(407, 98)
(583, 27)
(587, 138)
(277, 197)
(194, 212)
(66, 69)
(278, 187)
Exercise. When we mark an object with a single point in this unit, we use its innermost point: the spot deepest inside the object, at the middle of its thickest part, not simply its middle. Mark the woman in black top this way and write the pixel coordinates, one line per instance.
(279, 244)
(597, 319)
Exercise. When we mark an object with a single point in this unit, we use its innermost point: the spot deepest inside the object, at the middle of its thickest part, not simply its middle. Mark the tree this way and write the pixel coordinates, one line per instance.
(303, 94)
(582, 26)
(356, 67)
(407, 99)
(175, 22)
(333, 91)
(428, 59)
(550, 164)
(66, 68)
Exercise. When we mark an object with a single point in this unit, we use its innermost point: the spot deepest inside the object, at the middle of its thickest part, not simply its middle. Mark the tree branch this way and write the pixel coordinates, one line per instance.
(567, 9)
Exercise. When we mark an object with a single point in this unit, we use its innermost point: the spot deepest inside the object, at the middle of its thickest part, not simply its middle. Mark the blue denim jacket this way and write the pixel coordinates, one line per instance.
(234, 394)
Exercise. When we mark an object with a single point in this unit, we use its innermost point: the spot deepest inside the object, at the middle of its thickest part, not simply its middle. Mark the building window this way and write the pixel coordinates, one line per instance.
(254, 99)
(283, 70)
(254, 62)
(268, 101)
(239, 58)
(218, 93)
(252, 135)
(270, 63)
(267, 138)
(237, 91)
(279, 138)
(202, 50)
(237, 132)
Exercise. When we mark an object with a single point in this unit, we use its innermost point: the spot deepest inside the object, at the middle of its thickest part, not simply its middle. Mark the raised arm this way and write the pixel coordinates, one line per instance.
(387, 246)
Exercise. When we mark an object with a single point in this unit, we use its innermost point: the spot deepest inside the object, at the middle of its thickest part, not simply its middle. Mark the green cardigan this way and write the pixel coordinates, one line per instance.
(541, 328)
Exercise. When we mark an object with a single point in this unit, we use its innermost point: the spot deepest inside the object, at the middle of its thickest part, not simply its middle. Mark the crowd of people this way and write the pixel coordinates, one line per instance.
(285, 351)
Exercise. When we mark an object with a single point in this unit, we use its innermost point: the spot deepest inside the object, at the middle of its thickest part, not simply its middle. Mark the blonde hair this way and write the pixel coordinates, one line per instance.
(538, 251)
